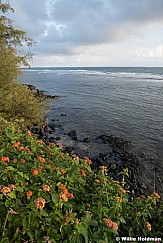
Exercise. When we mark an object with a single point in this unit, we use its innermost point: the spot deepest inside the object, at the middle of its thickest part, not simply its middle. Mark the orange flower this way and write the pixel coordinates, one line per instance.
(14, 160)
(110, 224)
(16, 144)
(149, 197)
(22, 161)
(53, 144)
(82, 172)
(88, 160)
(69, 195)
(51, 153)
(53, 167)
(64, 197)
(103, 167)
(21, 148)
(12, 187)
(5, 190)
(40, 203)
(122, 190)
(41, 159)
(39, 141)
(119, 199)
(29, 193)
(62, 170)
(28, 133)
(5, 159)
(149, 227)
(155, 194)
(46, 188)
(35, 172)
(60, 146)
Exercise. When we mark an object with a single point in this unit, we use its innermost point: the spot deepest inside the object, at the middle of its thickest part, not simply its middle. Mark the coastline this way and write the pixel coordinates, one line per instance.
(105, 150)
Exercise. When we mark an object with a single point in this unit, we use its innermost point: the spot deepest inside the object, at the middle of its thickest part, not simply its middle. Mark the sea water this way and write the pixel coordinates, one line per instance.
(125, 102)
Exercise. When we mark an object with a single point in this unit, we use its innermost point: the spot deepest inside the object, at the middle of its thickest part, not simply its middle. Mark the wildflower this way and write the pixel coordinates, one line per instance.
(149, 227)
(12, 187)
(41, 159)
(14, 160)
(22, 161)
(149, 197)
(46, 188)
(69, 195)
(119, 199)
(88, 160)
(122, 190)
(62, 170)
(51, 153)
(28, 133)
(29, 193)
(40, 203)
(35, 172)
(88, 212)
(60, 146)
(5, 190)
(82, 172)
(53, 144)
(53, 167)
(15, 145)
(103, 167)
(21, 148)
(39, 141)
(97, 181)
(64, 197)
(5, 159)
(155, 194)
(110, 224)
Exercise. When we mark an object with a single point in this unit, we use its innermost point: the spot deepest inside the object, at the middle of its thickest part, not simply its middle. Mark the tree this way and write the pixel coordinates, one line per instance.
(12, 43)
(17, 101)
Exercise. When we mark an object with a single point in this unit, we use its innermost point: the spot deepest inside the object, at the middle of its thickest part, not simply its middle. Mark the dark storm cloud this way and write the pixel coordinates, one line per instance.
(60, 26)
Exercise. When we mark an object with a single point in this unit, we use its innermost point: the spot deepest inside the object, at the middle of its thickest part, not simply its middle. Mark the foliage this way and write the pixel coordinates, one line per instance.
(49, 196)
(16, 100)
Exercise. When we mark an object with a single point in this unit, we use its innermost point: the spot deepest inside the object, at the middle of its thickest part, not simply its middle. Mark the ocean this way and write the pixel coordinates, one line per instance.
(122, 101)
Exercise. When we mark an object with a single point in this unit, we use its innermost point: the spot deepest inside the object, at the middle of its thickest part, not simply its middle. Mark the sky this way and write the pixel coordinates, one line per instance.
(93, 32)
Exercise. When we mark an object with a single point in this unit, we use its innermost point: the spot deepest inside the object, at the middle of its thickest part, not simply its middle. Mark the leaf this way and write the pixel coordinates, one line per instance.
(55, 198)
(11, 194)
(30, 234)
(83, 230)
(1, 196)
(19, 189)
(122, 220)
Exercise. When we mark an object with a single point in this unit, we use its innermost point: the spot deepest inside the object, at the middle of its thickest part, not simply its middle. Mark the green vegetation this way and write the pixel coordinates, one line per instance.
(49, 196)
(17, 101)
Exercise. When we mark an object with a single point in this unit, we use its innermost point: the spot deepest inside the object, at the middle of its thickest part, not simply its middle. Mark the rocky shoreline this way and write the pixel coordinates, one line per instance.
(104, 150)
(117, 155)
(40, 93)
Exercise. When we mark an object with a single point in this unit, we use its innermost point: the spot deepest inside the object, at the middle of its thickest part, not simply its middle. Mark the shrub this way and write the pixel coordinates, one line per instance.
(49, 196)
(16, 100)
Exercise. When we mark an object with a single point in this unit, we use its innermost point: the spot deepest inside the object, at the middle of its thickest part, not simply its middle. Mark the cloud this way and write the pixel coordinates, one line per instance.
(60, 27)
(156, 52)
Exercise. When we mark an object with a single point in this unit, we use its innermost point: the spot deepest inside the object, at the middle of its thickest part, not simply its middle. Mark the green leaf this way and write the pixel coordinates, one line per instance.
(11, 194)
(83, 230)
(19, 189)
(122, 220)
(30, 234)
(5, 240)
(1, 196)
(55, 198)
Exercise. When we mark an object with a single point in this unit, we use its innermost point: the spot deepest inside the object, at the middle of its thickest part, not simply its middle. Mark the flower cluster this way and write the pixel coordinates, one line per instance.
(66, 194)
(110, 224)
(88, 160)
(40, 203)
